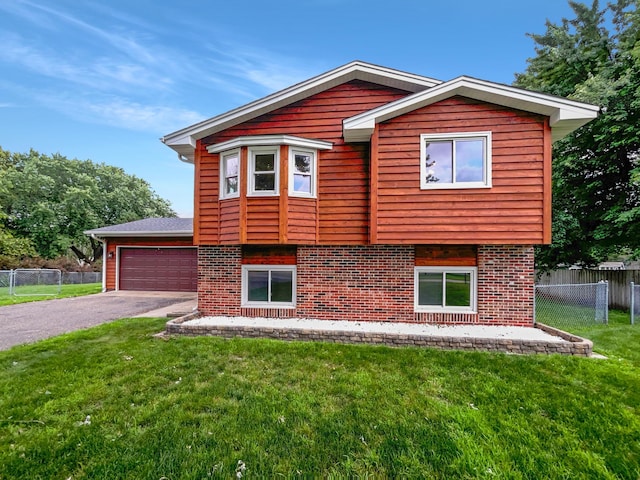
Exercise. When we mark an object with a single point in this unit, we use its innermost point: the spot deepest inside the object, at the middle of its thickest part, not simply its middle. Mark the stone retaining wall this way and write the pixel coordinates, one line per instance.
(573, 345)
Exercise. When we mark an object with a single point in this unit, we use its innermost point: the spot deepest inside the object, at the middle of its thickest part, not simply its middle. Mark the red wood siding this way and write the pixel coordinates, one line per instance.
(263, 219)
(342, 208)
(113, 243)
(302, 220)
(446, 256)
(511, 212)
(229, 226)
(271, 255)
(207, 208)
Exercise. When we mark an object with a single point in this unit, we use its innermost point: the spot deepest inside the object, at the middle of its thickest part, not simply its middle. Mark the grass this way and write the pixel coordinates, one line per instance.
(618, 339)
(114, 402)
(65, 291)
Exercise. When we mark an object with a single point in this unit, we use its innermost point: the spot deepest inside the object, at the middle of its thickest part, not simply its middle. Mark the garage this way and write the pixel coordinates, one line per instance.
(149, 254)
(168, 269)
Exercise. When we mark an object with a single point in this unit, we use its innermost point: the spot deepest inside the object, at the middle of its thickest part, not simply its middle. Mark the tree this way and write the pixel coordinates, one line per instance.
(51, 201)
(596, 176)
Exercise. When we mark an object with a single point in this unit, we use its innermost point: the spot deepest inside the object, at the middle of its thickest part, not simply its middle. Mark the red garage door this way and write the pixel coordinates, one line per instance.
(169, 269)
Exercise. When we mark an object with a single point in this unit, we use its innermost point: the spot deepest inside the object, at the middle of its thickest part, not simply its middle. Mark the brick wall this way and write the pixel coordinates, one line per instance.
(356, 282)
(219, 279)
(373, 282)
(505, 284)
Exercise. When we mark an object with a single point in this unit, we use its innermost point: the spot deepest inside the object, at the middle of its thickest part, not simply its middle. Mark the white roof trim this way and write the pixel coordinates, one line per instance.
(183, 141)
(265, 140)
(151, 233)
(564, 115)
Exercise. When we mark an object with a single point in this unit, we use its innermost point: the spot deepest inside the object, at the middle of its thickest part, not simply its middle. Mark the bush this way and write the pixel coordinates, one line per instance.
(64, 264)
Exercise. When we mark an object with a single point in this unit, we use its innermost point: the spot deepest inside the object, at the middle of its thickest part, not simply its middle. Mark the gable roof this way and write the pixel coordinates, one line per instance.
(564, 115)
(147, 227)
(184, 141)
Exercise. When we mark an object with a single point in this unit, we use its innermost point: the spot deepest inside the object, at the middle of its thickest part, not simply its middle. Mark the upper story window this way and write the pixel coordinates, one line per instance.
(261, 164)
(263, 171)
(302, 173)
(460, 160)
(230, 178)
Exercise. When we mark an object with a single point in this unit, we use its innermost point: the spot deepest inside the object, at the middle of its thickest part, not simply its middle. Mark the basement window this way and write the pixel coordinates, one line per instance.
(445, 289)
(268, 286)
(461, 160)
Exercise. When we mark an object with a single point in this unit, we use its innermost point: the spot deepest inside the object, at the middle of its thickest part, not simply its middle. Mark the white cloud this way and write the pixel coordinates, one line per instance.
(102, 73)
(268, 70)
(123, 113)
(119, 39)
(134, 116)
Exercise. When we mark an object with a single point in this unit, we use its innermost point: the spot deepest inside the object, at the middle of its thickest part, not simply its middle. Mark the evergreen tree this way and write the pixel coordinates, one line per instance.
(596, 175)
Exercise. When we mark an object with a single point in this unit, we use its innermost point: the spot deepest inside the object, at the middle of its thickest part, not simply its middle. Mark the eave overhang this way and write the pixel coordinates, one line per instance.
(268, 140)
(183, 141)
(125, 233)
(565, 115)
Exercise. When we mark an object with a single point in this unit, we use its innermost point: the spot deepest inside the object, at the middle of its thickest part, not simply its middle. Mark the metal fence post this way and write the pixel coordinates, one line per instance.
(632, 302)
(535, 293)
(602, 302)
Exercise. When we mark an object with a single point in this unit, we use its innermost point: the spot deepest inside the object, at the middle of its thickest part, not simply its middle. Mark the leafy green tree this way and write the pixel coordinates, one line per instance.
(51, 200)
(596, 176)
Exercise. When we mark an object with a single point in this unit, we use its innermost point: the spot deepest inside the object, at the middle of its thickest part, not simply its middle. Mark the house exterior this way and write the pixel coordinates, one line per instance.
(150, 254)
(367, 193)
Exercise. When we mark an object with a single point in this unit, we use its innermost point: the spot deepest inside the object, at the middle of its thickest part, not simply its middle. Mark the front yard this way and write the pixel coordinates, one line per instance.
(52, 292)
(114, 402)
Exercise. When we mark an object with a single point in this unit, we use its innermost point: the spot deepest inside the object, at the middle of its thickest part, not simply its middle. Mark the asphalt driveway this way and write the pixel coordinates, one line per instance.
(29, 322)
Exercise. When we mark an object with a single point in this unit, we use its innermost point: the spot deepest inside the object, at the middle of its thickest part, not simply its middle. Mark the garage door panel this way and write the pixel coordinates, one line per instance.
(170, 269)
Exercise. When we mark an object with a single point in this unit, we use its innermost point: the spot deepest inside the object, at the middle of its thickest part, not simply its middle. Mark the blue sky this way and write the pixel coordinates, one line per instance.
(105, 80)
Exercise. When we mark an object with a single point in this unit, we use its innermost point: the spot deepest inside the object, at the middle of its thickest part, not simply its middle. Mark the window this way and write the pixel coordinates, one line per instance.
(268, 286)
(302, 173)
(229, 174)
(461, 160)
(445, 289)
(263, 171)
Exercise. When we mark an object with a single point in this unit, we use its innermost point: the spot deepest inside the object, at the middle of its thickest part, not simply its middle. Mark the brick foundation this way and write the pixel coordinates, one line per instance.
(375, 282)
(505, 285)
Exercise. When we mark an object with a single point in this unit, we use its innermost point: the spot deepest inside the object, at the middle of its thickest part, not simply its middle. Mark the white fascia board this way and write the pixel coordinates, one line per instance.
(125, 233)
(352, 71)
(562, 112)
(267, 140)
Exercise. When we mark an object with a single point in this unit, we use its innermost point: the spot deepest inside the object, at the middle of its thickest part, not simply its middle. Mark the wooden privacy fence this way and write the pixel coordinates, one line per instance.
(619, 281)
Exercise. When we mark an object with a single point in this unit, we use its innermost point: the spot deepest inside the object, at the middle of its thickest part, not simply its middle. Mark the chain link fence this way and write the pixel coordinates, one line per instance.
(77, 278)
(565, 306)
(5, 282)
(36, 281)
(634, 309)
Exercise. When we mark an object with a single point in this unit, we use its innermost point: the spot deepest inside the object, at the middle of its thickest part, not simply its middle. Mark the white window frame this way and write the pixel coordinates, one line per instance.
(269, 268)
(452, 137)
(223, 170)
(472, 308)
(313, 173)
(253, 151)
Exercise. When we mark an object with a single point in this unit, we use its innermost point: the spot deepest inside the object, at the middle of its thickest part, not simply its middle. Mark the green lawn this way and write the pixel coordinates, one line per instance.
(66, 291)
(113, 402)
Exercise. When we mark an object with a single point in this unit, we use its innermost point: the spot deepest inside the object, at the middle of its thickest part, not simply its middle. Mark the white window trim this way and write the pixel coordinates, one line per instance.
(486, 136)
(251, 191)
(473, 308)
(245, 286)
(292, 172)
(230, 153)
